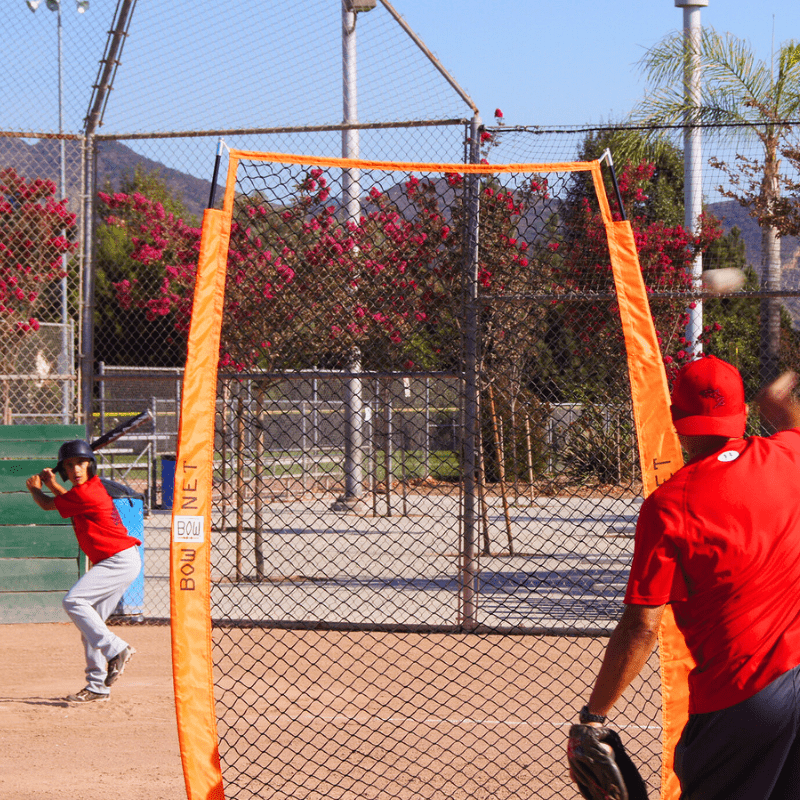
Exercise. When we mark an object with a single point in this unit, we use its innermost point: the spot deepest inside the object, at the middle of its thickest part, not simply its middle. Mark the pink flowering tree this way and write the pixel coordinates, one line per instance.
(146, 239)
(665, 251)
(36, 230)
(305, 288)
(148, 316)
(587, 334)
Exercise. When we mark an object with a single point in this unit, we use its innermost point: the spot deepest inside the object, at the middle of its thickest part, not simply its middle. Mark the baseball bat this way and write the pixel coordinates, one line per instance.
(124, 427)
(109, 436)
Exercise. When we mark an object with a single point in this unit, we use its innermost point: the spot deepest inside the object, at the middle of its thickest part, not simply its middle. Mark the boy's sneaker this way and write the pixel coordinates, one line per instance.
(116, 665)
(87, 696)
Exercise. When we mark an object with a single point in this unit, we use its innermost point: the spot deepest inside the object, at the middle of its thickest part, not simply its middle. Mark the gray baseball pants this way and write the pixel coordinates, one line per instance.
(91, 601)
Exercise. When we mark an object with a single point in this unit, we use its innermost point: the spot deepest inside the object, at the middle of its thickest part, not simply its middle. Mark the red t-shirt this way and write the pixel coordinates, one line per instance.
(720, 541)
(96, 521)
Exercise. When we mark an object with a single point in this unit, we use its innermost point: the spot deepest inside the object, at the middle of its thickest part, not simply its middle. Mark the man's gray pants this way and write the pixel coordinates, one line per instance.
(91, 601)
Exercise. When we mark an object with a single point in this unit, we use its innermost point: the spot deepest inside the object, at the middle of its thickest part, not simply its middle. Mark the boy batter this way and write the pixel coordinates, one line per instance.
(115, 559)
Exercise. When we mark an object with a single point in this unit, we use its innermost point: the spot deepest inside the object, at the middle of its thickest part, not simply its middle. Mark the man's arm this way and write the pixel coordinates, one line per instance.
(628, 649)
(778, 405)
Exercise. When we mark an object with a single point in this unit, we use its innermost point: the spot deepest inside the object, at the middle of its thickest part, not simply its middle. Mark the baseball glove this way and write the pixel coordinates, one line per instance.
(600, 766)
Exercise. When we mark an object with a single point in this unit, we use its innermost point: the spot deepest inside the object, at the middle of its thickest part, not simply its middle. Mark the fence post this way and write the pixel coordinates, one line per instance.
(388, 452)
(353, 437)
(259, 486)
(101, 369)
(87, 305)
(153, 466)
(469, 569)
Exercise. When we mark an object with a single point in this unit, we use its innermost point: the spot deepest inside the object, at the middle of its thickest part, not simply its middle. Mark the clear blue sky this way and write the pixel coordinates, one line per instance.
(572, 61)
(222, 64)
(558, 62)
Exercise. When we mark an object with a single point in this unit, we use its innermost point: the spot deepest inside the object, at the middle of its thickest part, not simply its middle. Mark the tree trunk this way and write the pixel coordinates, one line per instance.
(769, 351)
(770, 306)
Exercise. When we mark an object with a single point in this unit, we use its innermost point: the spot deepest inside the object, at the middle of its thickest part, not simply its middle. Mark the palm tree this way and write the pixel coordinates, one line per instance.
(759, 99)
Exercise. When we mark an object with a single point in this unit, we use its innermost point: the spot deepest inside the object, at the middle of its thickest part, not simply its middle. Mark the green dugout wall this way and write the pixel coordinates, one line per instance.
(39, 555)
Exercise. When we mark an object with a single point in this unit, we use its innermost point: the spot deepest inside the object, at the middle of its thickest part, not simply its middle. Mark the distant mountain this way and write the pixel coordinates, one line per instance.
(733, 215)
(115, 160)
(42, 159)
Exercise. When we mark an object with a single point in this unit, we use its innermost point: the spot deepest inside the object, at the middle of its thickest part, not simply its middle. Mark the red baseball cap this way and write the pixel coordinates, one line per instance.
(708, 399)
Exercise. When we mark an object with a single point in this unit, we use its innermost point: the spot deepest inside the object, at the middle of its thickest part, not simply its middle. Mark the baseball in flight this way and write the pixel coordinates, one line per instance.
(723, 281)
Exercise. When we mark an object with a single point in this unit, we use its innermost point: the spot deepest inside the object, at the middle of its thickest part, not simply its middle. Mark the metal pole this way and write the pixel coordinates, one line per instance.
(215, 176)
(692, 156)
(100, 94)
(87, 312)
(353, 440)
(469, 567)
(152, 477)
(109, 64)
(388, 453)
(430, 56)
(101, 368)
(351, 211)
(64, 366)
(350, 136)
(427, 427)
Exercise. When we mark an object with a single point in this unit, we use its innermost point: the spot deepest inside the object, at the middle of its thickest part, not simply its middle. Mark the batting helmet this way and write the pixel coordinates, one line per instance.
(75, 449)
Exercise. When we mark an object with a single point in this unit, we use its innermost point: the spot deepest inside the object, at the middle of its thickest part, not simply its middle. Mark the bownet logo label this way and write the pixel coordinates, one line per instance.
(188, 530)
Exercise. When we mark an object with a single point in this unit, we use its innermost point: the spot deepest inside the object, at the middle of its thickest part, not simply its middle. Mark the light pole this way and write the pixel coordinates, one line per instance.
(693, 155)
(350, 140)
(351, 211)
(63, 359)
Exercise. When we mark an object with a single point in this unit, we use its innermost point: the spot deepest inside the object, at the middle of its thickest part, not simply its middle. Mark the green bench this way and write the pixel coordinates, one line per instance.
(39, 555)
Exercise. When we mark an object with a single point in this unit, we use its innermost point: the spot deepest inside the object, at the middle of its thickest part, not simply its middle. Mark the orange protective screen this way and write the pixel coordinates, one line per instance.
(660, 456)
(191, 522)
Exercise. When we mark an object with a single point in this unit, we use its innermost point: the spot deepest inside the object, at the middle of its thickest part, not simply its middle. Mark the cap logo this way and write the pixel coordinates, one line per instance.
(714, 394)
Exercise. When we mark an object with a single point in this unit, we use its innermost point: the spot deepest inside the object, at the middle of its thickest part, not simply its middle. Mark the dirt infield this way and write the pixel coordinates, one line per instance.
(52, 750)
(358, 714)
(382, 735)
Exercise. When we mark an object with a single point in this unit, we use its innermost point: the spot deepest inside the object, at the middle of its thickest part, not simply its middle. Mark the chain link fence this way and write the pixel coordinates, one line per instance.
(348, 660)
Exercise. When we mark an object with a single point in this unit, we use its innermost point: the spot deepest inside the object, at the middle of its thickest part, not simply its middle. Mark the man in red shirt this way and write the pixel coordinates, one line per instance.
(720, 541)
(115, 563)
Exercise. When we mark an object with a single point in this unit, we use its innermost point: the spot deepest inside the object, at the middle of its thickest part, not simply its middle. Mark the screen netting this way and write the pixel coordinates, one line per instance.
(426, 479)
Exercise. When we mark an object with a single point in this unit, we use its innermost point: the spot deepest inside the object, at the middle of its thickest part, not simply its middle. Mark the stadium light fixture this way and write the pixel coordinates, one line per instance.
(55, 5)
(358, 6)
